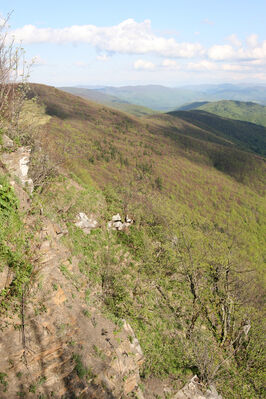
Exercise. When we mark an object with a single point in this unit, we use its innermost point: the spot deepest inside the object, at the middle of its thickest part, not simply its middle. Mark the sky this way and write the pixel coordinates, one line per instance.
(116, 43)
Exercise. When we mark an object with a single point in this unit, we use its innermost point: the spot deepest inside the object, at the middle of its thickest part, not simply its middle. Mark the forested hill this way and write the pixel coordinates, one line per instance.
(246, 135)
(239, 110)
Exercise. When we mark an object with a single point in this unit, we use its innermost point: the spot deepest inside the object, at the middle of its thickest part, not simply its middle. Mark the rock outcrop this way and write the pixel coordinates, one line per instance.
(17, 163)
(7, 143)
(117, 224)
(194, 390)
(86, 223)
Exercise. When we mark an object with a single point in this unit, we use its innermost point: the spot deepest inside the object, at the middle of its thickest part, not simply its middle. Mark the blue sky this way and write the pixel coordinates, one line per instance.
(113, 42)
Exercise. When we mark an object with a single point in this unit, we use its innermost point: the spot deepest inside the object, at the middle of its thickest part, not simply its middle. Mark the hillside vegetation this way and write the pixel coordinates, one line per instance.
(188, 274)
(243, 111)
(246, 135)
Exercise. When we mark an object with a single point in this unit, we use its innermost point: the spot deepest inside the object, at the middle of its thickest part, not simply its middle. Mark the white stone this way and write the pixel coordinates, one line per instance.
(7, 142)
(86, 223)
(17, 163)
(24, 166)
(116, 218)
(117, 224)
(192, 390)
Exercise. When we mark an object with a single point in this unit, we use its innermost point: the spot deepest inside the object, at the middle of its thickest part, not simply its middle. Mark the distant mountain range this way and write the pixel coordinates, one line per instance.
(112, 101)
(161, 98)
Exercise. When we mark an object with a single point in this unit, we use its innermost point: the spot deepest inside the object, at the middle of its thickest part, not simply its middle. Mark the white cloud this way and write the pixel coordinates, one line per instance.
(144, 65)
(203, 65)
(234, 67)
(206, 65)
(102, 57)
(221, 52)
(131, 37)
(259, 52)
(253, 50)
(234, 40)
(128, 37)
(170, 64)
(252, 40)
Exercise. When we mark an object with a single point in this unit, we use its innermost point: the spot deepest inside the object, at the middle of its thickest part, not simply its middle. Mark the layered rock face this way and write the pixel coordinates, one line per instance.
(17, 163)
(68, 350)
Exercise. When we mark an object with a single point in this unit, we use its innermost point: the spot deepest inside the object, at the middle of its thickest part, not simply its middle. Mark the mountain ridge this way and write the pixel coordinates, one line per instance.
(162, 98)
(238, 110)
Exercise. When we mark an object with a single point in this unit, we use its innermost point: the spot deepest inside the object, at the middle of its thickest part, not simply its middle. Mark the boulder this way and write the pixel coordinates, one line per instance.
(17, 163)
(194, 390)
(117, 224)
(6, 277)
(7, 142)
(129, 358)
(86, 223)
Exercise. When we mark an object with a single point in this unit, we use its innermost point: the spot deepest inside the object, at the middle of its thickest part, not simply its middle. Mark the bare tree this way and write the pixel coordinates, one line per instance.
(14, 72)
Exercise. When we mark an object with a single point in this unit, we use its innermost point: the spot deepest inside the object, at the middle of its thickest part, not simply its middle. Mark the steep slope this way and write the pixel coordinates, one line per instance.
(109, 100)
(246, 135)
(187, 274)
(110, 133)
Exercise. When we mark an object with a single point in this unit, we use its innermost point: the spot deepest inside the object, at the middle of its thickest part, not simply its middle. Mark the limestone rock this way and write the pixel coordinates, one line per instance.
(125, 366)
(117, 224)
(7, 142)
(86, 223)
(212, 393)
(193, 390)
(6, 277)
(17, 163)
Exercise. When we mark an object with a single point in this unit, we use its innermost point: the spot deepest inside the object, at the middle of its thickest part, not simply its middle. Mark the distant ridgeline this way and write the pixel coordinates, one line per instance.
(244, 111)
(161, 98)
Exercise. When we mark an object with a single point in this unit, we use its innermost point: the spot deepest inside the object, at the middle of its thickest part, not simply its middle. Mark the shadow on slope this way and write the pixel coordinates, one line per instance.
(245, 135)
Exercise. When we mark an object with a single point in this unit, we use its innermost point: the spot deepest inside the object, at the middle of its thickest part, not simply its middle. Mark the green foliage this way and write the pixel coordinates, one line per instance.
(8, 201)
(33, 387)
(3, 381)
(80, 369)
(247, 136)
(14, 249)
(243, 111)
